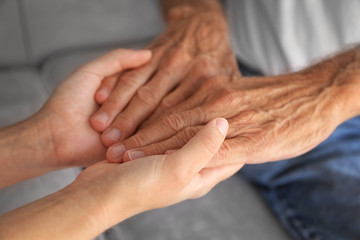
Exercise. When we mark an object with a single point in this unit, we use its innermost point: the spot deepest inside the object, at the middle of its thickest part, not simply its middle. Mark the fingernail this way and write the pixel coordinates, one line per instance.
(135, 154)
(112, 134)
(117, 151)
(222, 125)
(102, 117)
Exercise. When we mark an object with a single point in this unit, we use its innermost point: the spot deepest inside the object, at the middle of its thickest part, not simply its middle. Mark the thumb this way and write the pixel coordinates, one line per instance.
(195, 155)
(115, 61)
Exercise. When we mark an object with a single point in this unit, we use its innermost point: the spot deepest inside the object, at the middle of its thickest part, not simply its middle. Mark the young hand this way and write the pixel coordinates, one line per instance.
(64, 119)
(123, 190)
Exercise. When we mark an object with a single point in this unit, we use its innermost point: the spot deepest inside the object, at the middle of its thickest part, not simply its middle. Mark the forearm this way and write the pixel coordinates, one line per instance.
(342, 72)
(24, 151)
(62, 215)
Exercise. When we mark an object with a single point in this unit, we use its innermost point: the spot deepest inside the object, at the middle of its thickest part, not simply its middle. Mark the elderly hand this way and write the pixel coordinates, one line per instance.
(270, 118)
(193, 48)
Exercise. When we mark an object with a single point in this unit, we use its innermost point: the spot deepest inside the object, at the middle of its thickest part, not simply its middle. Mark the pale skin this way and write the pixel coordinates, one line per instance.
(271, 118)
(59, 136)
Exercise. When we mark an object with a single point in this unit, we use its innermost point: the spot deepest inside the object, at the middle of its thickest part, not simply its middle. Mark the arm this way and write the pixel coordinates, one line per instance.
(59, 135)
(271, 118)
(24, 149)
(101, 196)
(67, 214)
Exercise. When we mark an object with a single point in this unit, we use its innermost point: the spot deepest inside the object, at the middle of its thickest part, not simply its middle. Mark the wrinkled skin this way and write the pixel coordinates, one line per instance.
(271, 118)
(191, 50)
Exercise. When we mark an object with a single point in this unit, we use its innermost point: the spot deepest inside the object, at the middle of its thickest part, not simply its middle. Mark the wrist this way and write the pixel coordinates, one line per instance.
(351, 95)
(106, 202)
(25, 151)
(187, 12)
(86, 208)
(62, 215)
(185, 8)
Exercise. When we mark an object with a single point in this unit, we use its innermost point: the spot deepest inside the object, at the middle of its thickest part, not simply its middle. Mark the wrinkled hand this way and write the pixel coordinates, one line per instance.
(271, 118)
(156, 181)
(191, 50)
(65, 116)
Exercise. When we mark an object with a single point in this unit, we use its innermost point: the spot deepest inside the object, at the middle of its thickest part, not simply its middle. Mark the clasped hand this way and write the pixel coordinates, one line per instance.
(271, 118)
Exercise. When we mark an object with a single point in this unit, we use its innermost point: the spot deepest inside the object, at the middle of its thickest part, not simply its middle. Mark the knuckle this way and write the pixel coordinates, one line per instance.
(157, 148)
(166, 103)
(189, 133)
(225, 150)
(174, 121)
(124, 120)
(212, 82)
(112, 102)
(136, 141)
(206, 67)
(227, 97)
(177, 58)
(84, 71)
(147, 95)
(131, 78)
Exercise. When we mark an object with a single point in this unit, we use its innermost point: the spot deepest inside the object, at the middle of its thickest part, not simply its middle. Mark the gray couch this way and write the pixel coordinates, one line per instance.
(41, 42)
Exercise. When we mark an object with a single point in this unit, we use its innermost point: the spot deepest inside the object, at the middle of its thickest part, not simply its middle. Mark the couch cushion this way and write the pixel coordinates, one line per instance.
(59, 25)
(59, 66)
(28, 191)
(12, 49)
(233, 210)
(22, 92)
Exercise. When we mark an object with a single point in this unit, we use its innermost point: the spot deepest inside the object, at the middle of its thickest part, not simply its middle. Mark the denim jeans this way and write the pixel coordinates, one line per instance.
(317, 195)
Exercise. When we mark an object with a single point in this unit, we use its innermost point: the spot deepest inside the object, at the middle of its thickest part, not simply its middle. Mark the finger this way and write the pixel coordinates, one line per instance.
(175, 142)
(114, 62)
(196, 100)
(141, 106)
(194, 156)
(208, 178)
(124, 89)
(159, 131)
(105, 89)
(180, 94)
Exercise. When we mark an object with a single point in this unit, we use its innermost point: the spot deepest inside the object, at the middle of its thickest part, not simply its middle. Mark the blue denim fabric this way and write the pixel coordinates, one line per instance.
(317, 195)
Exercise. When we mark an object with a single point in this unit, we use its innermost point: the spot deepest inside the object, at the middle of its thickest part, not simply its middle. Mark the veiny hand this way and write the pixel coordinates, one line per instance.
(271, 118)
(123, 190)
(192, 49)
(65, 117)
